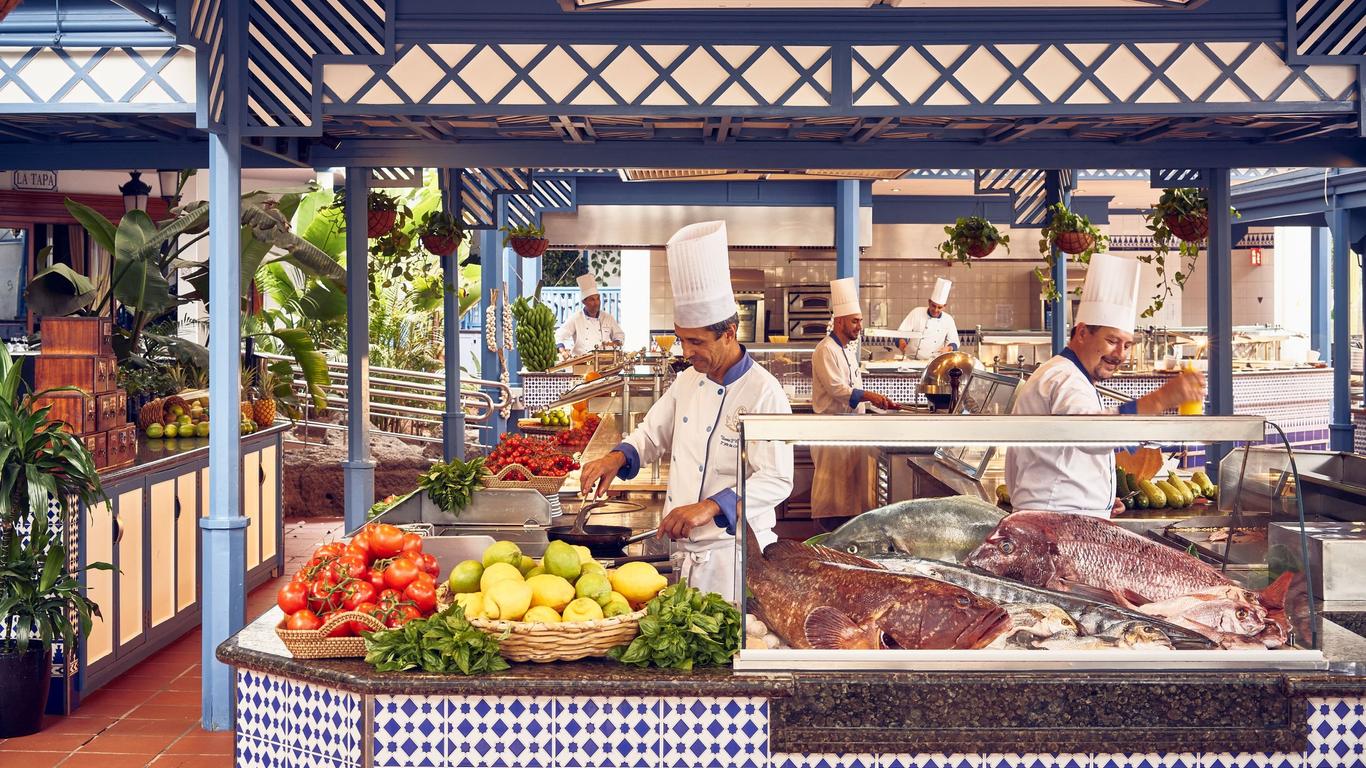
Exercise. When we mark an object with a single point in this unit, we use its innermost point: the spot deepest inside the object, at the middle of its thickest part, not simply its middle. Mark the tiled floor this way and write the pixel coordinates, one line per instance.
(150, 715)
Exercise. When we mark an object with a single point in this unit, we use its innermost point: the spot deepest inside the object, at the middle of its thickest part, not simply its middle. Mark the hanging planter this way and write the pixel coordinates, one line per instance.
(6, 6)
(383, 214)
(528, 240)
(1179, 221)
(441, 233)
(1074, 235)
(971, 237)
(1190, 228)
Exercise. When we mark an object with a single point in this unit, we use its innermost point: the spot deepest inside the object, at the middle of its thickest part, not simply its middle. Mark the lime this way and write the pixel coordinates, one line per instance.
(171, 430)
(202, 429)
(503, 552)
(561, 560)
(156, 431)
(526, 565)
(593, 586)
(465, 577)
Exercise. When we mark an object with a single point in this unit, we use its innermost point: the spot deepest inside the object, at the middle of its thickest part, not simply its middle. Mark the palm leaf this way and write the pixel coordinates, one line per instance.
(311, 362)
(102, 230)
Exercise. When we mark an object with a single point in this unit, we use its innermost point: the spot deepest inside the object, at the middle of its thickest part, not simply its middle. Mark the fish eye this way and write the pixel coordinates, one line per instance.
(853, 549)
(891, 550)
(1242, 613)
(1007, 547)
(964, 601)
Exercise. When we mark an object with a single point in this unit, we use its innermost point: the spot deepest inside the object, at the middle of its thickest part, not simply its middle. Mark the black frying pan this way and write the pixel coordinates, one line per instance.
(601, 540)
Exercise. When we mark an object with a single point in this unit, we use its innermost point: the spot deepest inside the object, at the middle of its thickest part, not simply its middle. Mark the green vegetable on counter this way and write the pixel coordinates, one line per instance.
(683, 628)
(452, 484)
(441, 644)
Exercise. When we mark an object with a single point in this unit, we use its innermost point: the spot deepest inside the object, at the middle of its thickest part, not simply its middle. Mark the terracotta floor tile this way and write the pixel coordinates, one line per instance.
(113, 702)
(140, 727)
(193, 761)
(77, 724)
(176, 698)
(43, 759)
(104, 760)
(186, 683)
(177, 712)
(200, 742)
(44, 741)
(142, 744)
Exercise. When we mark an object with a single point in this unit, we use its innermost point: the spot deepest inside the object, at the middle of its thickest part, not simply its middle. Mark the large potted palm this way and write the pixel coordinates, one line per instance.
(41, 600)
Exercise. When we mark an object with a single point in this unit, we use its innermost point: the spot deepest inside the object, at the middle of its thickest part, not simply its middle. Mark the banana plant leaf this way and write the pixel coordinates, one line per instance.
(138, 281)
(59, 290)
(311, 362)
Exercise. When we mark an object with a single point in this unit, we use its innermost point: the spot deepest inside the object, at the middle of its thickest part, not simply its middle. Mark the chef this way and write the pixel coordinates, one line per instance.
(938, 333)
(845, 475)
(698, 420)
(1075, 479)
(591, 328)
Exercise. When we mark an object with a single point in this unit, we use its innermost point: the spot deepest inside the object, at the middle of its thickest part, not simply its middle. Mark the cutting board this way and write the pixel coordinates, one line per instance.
(1143, 464)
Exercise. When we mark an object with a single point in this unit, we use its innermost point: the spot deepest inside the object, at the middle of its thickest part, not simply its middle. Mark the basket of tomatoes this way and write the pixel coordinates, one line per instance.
(526, 462)
(380, 579)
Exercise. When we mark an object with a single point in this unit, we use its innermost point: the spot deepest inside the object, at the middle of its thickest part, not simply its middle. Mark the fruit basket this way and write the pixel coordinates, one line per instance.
(542, 642)
(315, 643)
(545, 485)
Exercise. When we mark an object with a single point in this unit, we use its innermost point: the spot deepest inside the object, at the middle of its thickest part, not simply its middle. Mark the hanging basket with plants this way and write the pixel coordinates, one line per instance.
(383, 214)
(441, 233)
(528, 240)
(1178, 221)
(1072, 234)
(971, 237)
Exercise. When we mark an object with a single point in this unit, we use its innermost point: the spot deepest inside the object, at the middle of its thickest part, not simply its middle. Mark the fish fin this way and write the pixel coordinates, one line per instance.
(752, 550)
(1274, 595)
(785, 549)
(826, 627)
(1124, 598)
(844, 558)
(1127, 598)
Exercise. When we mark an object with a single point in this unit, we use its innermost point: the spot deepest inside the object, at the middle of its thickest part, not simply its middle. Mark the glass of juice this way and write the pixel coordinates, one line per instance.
(1191, 407)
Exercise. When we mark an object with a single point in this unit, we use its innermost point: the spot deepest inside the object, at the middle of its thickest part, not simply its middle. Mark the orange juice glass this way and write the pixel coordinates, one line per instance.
(1191, 407)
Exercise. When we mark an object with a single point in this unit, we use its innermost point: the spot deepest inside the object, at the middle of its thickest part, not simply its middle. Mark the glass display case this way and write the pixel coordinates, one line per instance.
(1036, 589)
(789, 363)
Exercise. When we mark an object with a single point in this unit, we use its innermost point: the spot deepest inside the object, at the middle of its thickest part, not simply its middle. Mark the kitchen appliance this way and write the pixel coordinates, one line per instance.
(806, 312)
(518, 515)
(946, 377)
(752, 322)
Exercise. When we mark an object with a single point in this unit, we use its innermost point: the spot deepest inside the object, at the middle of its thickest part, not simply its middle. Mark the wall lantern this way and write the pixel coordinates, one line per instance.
(135, 193)
(168, 180)
(1256, 257)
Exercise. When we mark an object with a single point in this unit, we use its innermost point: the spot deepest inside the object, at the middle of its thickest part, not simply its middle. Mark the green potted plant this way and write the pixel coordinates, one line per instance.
(441, 233)
(383, 214)
(971, 237)
(1073, 234)
(528, 240)
(41, 461)
(1180, 218)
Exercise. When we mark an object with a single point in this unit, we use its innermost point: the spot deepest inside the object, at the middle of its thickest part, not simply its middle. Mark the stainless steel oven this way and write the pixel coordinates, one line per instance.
(751, 330)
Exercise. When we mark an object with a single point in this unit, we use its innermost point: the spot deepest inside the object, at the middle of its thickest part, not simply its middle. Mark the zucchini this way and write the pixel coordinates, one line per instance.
(1121, 485)
(1175, 498)
(1156, 497)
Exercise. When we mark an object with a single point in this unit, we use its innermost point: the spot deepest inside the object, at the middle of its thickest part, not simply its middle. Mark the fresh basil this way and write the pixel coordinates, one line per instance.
(683, 628)
(442, 644)
(451, 485)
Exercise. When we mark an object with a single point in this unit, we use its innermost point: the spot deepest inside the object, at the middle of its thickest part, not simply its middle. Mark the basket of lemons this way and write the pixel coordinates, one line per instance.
(565, 606)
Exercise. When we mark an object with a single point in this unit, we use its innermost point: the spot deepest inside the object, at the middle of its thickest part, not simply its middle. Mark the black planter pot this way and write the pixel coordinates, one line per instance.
(24, 679)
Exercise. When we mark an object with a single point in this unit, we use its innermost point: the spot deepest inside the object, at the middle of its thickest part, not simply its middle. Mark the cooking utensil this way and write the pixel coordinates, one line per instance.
(601, 540)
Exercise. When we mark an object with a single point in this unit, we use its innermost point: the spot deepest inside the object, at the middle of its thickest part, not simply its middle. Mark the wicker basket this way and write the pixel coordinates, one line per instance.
(529, 247)
(542, 643)
(315, 644)
(544, 485)
(1191, 229)
(1074, 242)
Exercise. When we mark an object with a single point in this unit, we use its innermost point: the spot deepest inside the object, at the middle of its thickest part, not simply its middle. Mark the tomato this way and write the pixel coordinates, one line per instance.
(304, 619)
(386, 540)
(369, 609)
(361, 543)
(389, 598)
(403, 615)
(423, 594)
(357, 592)
(354, 564)
(428, 564)
(400, 573)
(292, 597)
(376, 577)
(412, 545)
(323, 597)
(344, 629)
(330, 549)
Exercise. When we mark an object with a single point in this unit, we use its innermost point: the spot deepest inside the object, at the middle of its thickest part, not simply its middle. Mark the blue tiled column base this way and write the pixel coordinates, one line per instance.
(284, 724)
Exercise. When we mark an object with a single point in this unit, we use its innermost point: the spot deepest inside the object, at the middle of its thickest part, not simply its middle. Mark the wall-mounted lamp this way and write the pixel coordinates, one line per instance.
(169, 181)
(135, 193)
(1256, 257)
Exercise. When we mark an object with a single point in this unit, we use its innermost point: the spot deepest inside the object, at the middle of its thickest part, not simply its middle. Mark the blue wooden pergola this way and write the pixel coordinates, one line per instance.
(506, 97)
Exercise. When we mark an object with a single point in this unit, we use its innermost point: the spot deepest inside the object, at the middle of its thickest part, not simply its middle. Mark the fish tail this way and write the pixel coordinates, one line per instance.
(1274, 595)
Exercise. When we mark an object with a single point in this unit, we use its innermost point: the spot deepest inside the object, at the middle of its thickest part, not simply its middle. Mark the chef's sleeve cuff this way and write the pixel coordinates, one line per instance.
(954, 347)
(728, 502)
(1129, 409)
(855, 398)
(632, 466)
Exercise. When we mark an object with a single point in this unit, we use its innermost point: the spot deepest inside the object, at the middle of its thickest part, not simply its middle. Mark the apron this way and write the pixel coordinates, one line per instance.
(844, 480)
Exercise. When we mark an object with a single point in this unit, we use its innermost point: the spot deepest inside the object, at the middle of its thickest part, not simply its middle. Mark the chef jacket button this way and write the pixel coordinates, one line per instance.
(720, 390)
(685, 419)
(700, 383)
(708, 429)
(699, 467)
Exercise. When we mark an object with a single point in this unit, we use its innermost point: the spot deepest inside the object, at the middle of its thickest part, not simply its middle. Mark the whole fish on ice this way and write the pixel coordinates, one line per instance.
(939, 529)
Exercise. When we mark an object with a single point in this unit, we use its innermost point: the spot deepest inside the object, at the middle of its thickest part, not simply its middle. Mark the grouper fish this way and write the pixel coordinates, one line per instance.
(938, 529)
(820, 598)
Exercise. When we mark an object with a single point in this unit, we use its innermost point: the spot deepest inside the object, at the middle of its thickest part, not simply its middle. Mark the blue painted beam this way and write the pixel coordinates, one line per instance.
(1320, 248)
(846, 228)
(945, 209)
(1340, 429)
(224, 539)
(453, 418)
(359, 470)
(1219, 263)
(611, 190)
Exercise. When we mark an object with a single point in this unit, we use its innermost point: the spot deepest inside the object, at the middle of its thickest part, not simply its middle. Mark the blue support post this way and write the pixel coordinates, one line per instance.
(490, 277)
(1340, 429)
(1319, 270)
(1057, 193)
(359, 471)
(846, 228)
(512, 278)
(1219, 261)
(224, 566)
(453, 419)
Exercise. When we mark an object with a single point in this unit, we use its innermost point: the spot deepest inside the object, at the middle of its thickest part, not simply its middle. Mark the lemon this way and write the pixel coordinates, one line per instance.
(172, 430)
(156, 431)
(537, 571)
(513, 598)
(498, 572)
(472, 603)
(637, 582)
(593, 566)
(593, 586)
(202, 429)
(543, 614)
(616, 605)
(503, 552)
(561, 560)
(583, 609)
(551, 591)
(526, 565)
(466, 576)
(585, 555)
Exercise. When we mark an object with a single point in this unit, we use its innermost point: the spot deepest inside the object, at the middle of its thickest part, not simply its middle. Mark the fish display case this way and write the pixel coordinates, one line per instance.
(956, 583)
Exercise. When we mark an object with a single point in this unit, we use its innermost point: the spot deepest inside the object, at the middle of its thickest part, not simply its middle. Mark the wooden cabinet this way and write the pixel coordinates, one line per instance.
(99, 585)
(129, 550)
(187, 514)
(163, 539)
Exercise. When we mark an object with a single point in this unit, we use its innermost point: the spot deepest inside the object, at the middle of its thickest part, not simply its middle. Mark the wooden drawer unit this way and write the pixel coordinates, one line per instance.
(123, 445)
(77, 335)
(96, 374)
(77, 409)
(98, 445)
(111, 410)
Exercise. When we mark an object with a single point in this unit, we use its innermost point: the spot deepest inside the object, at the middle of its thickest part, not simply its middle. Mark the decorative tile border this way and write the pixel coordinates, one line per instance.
(282, 722)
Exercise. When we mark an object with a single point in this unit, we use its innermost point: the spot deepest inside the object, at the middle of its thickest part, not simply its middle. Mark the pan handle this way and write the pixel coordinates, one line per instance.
(642, 536)
(641, 559)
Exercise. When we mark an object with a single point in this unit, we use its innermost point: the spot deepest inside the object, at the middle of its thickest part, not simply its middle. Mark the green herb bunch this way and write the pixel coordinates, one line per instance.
(451, 484)
(683, 628)
(445, 643)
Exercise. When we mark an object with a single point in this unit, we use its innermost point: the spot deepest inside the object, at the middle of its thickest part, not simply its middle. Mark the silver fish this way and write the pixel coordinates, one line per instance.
(1094, 617)
(1031, 622)
(939, 529)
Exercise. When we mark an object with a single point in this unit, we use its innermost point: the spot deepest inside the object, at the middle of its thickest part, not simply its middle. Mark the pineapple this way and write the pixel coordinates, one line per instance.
(264, 408)
(248, 379)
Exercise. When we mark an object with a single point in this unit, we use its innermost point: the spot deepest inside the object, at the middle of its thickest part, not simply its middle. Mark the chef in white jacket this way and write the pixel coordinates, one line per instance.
(938, 333)
(592, 328)
(844, 481)
(698, 420)
(1076, 479)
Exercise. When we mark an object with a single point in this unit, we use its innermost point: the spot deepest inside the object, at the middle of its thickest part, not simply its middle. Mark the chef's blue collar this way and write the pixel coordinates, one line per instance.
(740, 368)
(1070, 355)
(590, 317)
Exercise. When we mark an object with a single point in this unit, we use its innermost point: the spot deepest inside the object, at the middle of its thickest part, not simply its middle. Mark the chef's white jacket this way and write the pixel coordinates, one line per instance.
(836, 381)
(582, 334)
(699, 421)
(1073, 479)
(936, 332)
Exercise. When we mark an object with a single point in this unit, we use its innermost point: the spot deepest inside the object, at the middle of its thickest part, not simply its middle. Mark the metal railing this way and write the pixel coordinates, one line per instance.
(407, 404)
(564, 301)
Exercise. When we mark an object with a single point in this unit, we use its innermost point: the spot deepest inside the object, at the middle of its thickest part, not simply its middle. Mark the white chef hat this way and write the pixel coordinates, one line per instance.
(588, 285)
(941, 290)
(699, 272)
(1110, 295)
(844, 297)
